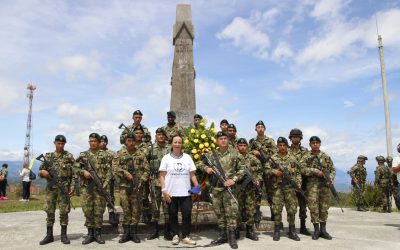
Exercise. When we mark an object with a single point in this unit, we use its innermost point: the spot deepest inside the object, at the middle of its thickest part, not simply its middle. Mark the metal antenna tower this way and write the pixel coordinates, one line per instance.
(27, 148)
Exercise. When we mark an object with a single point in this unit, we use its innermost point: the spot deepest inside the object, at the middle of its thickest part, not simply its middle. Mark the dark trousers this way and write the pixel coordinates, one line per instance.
(26, 190)
(3, 186)
(185, 205)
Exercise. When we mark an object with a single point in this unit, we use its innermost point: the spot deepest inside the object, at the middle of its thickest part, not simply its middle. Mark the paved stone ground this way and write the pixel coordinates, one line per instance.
(351, 230)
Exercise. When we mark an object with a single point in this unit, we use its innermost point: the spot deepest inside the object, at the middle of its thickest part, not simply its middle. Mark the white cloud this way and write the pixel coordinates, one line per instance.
(282, 51)
(80, 114)
(14, 93)
(275, 96)
(348, 104)
(286, 85)
(329, 9)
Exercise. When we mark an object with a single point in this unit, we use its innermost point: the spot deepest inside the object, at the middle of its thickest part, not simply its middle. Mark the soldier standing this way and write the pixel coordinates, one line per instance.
(358, 174)
(283, 193)
(247, 193)
(318, 193)
(62, 162)
(132, 168)
(155, 153)
(197, 119)
(268, 147)
(395, 183)
(172, 128)
(383, 178)
(111, 213)
(224, 125)
(93, 203)
(137, 119)
(232, 135)
(225, 206)
(299, 152)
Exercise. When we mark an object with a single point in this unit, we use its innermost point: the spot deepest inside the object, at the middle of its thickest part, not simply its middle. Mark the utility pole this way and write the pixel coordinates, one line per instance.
(27, 148)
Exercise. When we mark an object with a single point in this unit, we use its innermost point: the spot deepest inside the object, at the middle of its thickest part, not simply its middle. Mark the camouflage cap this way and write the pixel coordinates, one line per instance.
(171, 114)
(380, 158)
(95, 136)
(131, 135)
(104, 138)
(242, 141)
(137, 112)
(140, 127)
(224, 121)
(220, 134)
(362, 157)
(282, 140)
(389, 159)
(60, 138)
(198, 116)
(260, 123)
(161, 130)
(232, 126)
(315, 138)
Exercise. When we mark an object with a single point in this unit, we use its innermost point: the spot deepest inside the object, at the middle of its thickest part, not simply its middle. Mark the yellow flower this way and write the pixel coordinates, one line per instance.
(196, 156)
(192, 131)
(214, 130)
(201, 146)
(186, 141)
(206, 144)
(196, 140)
(203, 136)
(194, 151)
(213, 139)
(212, 145)
(202, 124)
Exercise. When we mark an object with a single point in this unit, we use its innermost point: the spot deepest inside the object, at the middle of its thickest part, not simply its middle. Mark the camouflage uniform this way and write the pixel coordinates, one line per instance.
(62, 163)
(131, 128)
(173, 130)
(112, 183)
(233, 142)
(93, 204)
(358, 172)
(383, 177)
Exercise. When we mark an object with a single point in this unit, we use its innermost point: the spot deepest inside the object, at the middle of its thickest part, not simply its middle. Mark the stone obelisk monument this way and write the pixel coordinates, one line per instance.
(183, 98)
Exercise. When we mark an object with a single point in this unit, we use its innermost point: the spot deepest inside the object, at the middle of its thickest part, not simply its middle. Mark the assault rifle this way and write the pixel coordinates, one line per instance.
(250, 178)
(55, 179)
(153, 174)
(134, 184)
(263, 155)
(288, 178)
(220, 177)
(328, 182)
(95, 181)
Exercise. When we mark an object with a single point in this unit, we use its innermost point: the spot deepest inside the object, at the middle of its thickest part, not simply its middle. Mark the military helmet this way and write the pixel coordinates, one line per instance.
(296, 132)
(140, 127)
(380, 158)
(60, 138)
(242, 141)
(362, 157)
(282, 140)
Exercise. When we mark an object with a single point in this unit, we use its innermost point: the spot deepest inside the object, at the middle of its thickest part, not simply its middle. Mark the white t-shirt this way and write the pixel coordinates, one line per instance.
(177, 179)
(25, 174)
(395, 163)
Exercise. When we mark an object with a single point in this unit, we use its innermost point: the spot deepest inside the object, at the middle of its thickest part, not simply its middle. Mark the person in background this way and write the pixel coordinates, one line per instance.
(3, 181)
(26, 182)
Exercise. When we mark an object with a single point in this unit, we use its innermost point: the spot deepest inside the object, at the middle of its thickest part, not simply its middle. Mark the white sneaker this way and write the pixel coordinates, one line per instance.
(22, 200)
(189, 241)
(175, 240)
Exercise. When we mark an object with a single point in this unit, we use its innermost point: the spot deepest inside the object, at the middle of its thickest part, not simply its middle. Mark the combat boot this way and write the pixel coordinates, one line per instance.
(89, 237)
(64, 237)
(146, 216)
(112, 220)
(277, 233)
(126, 236)
(292, 233)
(250, 234)
(364, 208)
(232, 239)
(237, 233)
(222, 237)
(257, 217)
(303, 228)
(134, 237)
(97, 236)
(324, 234)
(155, 234)
(315, 236)
(167, 232)
(49, 236)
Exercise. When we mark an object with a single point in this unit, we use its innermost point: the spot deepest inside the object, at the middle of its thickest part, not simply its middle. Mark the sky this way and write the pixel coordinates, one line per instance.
(310, 64)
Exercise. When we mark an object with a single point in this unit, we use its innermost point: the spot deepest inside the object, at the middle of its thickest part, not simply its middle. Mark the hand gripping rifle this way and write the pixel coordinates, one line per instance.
(134, 185)
(263, 155)
(95, 181)
(249, 178)
(328, 181)
(288, 178)
(221, 178)
(55, 180)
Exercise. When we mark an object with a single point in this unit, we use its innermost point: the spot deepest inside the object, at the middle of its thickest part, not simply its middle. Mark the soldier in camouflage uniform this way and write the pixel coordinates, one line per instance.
(283, 193)
(132, 168)
(247, 194)
(155, 154)
(223, 125)
(358, 174)
(232, 135)
(172, 128)
(225, 207)
(137, 119)
(318, 193)
(93, 203)
(268, 146)
(383, 181)
(299, 152)
(196, 120)
(62, 162)
(395, 184)
(111, 213)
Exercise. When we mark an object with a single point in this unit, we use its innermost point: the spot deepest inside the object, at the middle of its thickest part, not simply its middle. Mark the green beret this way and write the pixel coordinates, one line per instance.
(315, 138)
(171, 114)
(104, 138)
(198, 116)
(137, 112)
(362, 157)
(131, 135)
(282, 140)
(380, 158)
(95, 136)
(220, 134)
(60, 138)
(260, 123)
(140, 127)
(224, 121)
(232, 126)
(161, 130)
(242, 141)
(389, 159)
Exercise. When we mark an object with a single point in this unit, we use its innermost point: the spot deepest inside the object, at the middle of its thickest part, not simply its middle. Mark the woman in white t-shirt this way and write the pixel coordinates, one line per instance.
(26, 182)
(176, 172)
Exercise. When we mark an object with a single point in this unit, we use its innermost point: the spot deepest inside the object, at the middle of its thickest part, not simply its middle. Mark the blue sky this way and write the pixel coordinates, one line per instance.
(311, 64)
